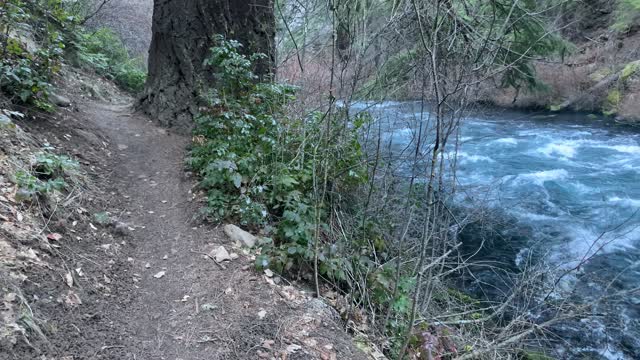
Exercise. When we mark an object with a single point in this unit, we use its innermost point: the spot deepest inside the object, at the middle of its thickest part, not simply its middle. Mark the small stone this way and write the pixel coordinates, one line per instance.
(261, 314)
(220, 254)
(60, 100)
(121, 228)
(236, 234)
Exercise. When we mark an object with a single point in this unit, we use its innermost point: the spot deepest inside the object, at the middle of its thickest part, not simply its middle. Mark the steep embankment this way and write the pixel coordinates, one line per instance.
(143, 285)
(601, 74)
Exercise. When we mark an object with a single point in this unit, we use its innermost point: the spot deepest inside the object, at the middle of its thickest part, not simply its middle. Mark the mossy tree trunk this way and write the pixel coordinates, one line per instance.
(182, 34)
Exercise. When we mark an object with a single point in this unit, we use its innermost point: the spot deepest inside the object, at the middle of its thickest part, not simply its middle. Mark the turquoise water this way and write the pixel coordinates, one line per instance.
(574, 182)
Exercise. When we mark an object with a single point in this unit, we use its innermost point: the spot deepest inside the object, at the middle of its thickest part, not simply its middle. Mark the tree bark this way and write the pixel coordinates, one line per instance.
(182, 34)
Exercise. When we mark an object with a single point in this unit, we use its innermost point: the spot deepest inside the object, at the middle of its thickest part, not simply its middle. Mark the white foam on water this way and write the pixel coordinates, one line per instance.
(565, 149)
(465, 157)
(585, 243)
(608, 353)
(536, 217)
(522, 256)
(611, 145)
(628, 202)
(507, 141)
(628, 149)
(540, 177)
(581, 133)
(531, 132)
(625, 164)
(582, 188)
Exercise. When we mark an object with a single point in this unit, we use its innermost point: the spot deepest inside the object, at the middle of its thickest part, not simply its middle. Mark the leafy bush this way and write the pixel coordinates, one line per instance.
(260, 166)
(25, 73)
(104, 52)
(47, 174)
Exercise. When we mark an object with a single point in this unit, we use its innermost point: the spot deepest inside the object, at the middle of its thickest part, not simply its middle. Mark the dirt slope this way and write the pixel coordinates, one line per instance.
(151, 293)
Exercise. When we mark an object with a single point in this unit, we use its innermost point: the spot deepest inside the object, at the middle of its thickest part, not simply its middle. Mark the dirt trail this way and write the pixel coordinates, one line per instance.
(196, 310)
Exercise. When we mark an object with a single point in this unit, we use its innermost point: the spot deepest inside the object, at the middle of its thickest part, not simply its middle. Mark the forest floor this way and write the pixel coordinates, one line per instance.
(144, 286)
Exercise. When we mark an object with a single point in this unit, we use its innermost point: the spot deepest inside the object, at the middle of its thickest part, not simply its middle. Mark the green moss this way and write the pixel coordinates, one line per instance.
(629, 70)
(554, 108)
(600, 74)
(535, 356)
(612, 101)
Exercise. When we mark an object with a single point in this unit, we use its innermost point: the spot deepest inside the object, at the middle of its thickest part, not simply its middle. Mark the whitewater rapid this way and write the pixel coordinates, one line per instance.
(574, 181)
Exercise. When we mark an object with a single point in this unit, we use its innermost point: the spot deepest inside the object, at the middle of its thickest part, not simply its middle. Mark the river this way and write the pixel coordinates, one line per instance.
(573, 180)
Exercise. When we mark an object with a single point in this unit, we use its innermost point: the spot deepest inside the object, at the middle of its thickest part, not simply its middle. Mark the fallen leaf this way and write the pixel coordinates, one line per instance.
(268, 272)
(263, 355)
(10, 297)
(293, 348)
(68, 279)
(72, 299)
(54, 236)
(262, 314)
(208, 307)
(311, 342)
(159, 275)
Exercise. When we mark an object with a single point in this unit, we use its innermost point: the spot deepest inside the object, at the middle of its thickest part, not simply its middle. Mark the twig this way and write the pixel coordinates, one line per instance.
(210, 257)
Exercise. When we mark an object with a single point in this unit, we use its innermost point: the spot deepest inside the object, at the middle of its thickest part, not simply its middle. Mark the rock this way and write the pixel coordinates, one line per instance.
(60, 100)
(92, 138)
(23, 195)
(121, 228)
(5, 121)
(220, 254)
(236, 234)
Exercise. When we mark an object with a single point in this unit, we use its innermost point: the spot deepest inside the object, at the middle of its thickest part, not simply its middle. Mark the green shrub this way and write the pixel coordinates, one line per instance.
(25, 73)
(46, 174)
(260, 166)
(104, 52)
(627, 15)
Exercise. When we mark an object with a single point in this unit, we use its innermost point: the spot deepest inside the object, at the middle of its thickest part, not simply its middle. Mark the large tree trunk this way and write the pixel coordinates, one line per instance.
(183, 33)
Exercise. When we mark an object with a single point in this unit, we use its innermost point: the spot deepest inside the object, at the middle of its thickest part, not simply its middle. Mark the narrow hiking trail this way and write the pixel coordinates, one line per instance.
(182, 305)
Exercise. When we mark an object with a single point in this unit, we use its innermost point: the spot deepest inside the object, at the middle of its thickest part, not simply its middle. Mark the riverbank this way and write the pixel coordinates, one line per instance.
(601, 75)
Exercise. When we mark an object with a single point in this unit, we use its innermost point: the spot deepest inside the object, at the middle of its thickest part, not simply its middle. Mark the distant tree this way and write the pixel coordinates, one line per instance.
(182, 34)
